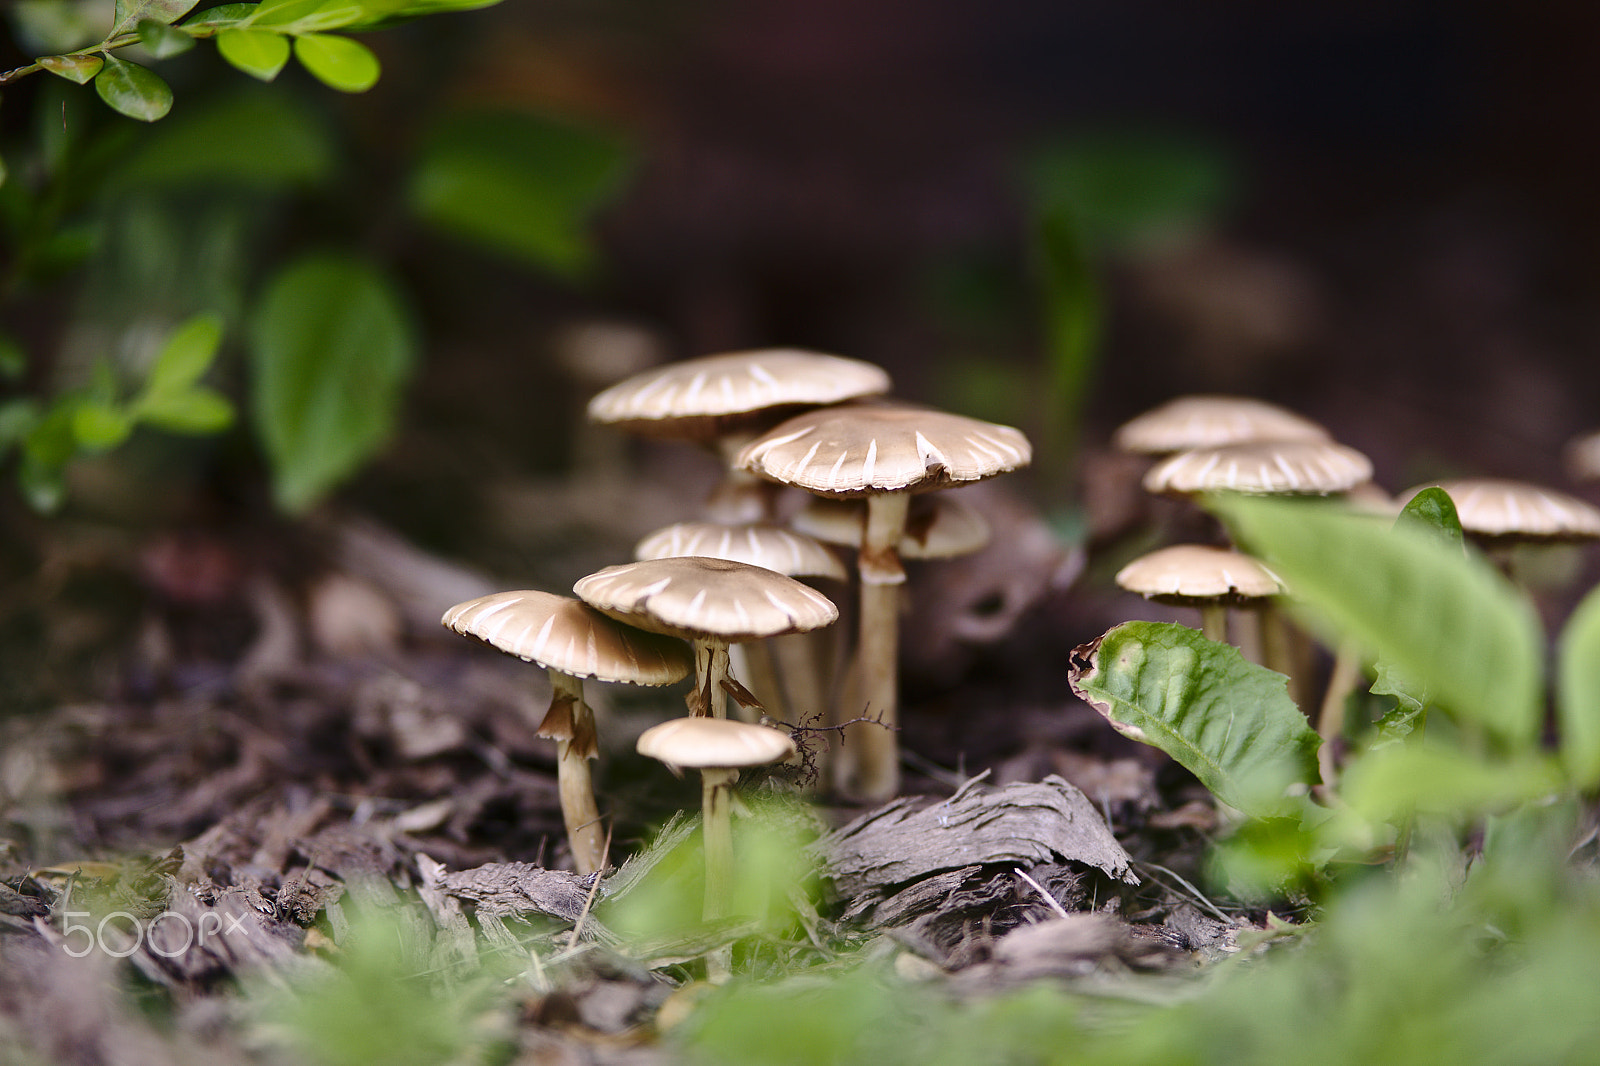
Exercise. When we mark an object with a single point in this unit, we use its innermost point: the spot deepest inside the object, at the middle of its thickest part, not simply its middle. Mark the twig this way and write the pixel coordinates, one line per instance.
(577, 926)
(1199, 897)
(1054, 903)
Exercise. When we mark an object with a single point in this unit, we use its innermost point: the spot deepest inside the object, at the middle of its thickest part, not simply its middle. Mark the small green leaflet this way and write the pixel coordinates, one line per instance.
(338, 62)
(259, 53)
(131, 12)
(132, 90)
(74, 68)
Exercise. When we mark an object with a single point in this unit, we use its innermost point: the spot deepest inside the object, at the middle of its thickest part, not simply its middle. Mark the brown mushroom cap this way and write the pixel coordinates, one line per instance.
(715, 743)
(861, 449)
(1192, 574)
(699, 399)
(1264, 467)
(1515, 510)
(1190, 422)
(561, 633)
(938, 525)
(706, 599)
(758, 544)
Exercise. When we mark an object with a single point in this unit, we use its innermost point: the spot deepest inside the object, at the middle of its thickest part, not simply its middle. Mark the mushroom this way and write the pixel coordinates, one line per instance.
(787, 656)
(719, 749)
(885, 453)
(938, 525)
(1197, 575)
(723, 401)
(1291, 467)
(713, 603)
(1499, 514)
(572, 641)
(1190, 422)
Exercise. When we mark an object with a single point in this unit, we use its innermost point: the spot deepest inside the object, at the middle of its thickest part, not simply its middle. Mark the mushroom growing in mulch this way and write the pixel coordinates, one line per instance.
(719, 749)
(1198, 575)
(723, 401)
(885, 453)
(712, 603)
(572, 641)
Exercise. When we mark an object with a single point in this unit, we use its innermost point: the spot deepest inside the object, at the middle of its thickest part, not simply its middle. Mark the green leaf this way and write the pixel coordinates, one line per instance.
(1398, 781)
(74, 68)
(223, 16)
(1451, 623)
(99, 427)
(187, 355)
(259, 53)
(1433, 511)
(132, 90)
(132, 12)
(338, 62)
(306, 16)
(331, 348)
(379, 13)
(201, 148)
(197, 410)
(517, 184)
(1229, 721)
(163, 41)
(1578, 692)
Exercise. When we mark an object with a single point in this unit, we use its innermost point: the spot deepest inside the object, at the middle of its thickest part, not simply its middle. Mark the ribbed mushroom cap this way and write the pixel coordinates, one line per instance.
(561, 633)
(1316, 468)
(1515, 510)
(698, 399)
(1190, 422)
(938, 525)
(864, 449)
(756, 543)
(706, 599)
(714, 743)
(1190, 574)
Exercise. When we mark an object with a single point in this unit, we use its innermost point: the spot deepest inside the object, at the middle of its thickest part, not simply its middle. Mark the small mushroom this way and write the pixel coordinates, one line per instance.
(711, 602)
(884, 452)
(719, 749)
(1191, 422)
(572, 641)
(723, 401)
(1197, 575)
(1291, 467)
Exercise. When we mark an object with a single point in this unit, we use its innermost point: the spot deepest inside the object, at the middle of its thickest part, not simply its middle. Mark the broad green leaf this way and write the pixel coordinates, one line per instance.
(259, 53)
(1433, 511)
(306, 16)
(132, 12)
(288, 145)
(378, 13)
(1452, 624)
(1229, 721)
(129, 13)
(186, 356)
(338, 62)
(331, 348)
(163, 41)
(223, 16)
(74, 68)
(132, 90)
(1395, 782)
(1578, 692)
(517, 184)
(196, 410)
(99, 427)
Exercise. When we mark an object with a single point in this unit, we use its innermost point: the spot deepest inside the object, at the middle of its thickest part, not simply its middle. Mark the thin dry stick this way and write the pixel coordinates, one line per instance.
(1055, 904)
(577, 926)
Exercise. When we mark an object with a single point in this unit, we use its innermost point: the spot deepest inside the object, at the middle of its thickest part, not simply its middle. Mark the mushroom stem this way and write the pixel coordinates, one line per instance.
(710, 699)
(872, 769)
(570, 722)
(1330, 718)
(1214, 622)
(1277, 641)
(757, 669)
(716, 792)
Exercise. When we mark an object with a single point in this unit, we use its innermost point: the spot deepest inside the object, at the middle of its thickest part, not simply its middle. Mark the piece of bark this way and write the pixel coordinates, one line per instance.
(1021, 825)
(500, 890)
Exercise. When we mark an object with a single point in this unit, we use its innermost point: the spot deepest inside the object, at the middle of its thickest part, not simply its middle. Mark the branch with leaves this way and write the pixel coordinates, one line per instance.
(257, 38)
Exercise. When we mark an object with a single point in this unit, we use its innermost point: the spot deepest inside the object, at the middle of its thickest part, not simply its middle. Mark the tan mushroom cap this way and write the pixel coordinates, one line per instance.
(938, 525)
(1582, 457)
(699, 398)
(863, 449)
(1191, 573)
(1316, 468)
(1516, 510)
(561, 633)
(715, 743)
(706, 599)
(756, 543)
(1190, 422)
